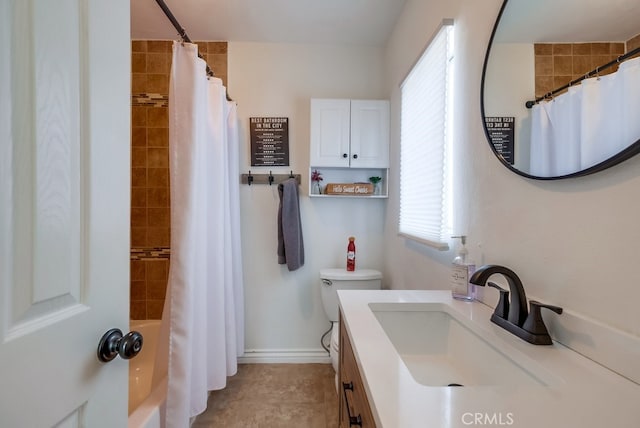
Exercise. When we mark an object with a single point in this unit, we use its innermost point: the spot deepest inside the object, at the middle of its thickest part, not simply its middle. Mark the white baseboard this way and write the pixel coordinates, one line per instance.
(290, 356)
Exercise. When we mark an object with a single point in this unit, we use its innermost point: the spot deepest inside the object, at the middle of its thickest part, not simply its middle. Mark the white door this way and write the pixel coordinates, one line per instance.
(64, 210)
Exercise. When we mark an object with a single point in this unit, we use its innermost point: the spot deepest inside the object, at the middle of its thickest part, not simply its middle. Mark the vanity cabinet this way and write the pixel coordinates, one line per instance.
(354, 406)
(350, 140)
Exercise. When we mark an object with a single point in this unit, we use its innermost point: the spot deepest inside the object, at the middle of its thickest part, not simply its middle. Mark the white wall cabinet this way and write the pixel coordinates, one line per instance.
(349, 133)
(350, 140)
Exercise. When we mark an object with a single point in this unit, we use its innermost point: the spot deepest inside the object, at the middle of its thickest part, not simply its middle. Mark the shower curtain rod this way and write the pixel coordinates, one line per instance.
(185, 38)
(593, 72)
(181, 31)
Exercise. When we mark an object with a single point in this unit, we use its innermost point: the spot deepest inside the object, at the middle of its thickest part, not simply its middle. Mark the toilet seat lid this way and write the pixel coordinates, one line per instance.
(338, 274)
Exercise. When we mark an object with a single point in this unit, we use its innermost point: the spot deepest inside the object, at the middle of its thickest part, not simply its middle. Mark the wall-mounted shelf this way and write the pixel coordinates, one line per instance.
(350, 175)
(348, 197)
(349, 142)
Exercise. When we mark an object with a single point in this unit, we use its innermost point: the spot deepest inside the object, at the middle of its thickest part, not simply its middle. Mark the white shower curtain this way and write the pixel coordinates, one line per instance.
(555, 135)
(631, 104)
(541, 155)
(588, 124)
(601, 130)
(566, 122)
(204, 311)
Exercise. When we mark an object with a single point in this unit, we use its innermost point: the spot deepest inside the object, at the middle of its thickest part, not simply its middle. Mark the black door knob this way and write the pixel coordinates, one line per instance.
(344, 155)
(355, 156)
(113, 343)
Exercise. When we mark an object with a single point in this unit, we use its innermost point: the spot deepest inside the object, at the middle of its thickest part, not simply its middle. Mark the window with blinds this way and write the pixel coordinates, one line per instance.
(425, 144)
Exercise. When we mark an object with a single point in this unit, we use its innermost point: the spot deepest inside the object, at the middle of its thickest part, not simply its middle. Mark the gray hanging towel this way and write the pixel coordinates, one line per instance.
(290, 245)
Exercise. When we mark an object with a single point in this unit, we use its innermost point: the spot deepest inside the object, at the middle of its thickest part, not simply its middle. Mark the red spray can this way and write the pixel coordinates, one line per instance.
(351, 254)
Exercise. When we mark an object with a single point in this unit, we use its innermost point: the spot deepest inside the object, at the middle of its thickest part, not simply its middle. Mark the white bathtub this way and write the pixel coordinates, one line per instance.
(145, 406)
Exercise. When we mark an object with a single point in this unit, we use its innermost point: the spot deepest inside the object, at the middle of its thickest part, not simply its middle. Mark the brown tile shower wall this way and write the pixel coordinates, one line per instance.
(559, 63)
(633, 43)
(148, 286)
(150, 201)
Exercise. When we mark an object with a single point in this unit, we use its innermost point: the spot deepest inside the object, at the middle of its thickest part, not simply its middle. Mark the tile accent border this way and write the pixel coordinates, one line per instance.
(150, 100)
(153, 253)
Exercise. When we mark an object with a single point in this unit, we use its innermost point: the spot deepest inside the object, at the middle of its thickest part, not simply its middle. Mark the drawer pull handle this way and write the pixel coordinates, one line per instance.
(353, 420)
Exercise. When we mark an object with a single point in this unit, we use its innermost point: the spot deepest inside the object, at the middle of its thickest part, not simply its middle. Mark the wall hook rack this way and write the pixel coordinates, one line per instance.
(269, 179)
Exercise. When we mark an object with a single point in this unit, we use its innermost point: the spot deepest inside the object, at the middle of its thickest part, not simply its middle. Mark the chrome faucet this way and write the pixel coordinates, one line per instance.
(512, 314)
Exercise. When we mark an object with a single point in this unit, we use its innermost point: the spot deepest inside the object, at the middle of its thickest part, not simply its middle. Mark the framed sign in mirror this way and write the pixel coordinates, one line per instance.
(565, 74)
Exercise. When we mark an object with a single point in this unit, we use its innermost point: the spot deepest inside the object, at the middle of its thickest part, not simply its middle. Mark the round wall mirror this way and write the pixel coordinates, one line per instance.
(560, 93)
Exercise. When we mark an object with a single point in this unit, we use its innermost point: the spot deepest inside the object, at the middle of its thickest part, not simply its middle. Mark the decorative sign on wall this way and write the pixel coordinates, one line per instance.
(269, 141)
(501, 132)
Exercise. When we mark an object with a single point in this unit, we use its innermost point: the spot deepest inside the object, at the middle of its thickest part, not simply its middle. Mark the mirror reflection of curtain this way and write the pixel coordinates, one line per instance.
(568, 122)
(630, 70)
(602, 119)
(592, 122)
(541, 140)
(555, 135)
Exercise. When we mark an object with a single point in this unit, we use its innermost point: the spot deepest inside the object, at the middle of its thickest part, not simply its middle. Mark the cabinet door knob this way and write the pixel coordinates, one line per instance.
(355, 156)
(344, 155)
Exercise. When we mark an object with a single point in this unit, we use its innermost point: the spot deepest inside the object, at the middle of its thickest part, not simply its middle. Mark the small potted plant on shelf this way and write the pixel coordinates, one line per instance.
(376, 184)
(316, 178)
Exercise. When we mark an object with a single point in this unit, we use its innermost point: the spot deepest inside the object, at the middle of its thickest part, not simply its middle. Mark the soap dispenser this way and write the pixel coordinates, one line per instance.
(461, 270)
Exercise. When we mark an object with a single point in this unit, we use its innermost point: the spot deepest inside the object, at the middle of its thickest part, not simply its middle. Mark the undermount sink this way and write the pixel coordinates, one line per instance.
(439, 350)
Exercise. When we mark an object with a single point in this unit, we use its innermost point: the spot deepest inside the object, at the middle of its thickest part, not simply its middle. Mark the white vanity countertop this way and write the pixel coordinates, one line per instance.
(587, 396)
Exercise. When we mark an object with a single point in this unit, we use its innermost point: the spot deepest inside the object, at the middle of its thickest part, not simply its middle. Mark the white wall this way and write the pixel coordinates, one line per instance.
(574, 243)
(283, 309)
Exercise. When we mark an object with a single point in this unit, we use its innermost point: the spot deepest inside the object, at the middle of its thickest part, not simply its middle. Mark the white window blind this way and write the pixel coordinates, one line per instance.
(425, 141)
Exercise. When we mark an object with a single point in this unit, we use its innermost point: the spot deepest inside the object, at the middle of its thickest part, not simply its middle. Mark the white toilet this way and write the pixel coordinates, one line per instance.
(332, 280)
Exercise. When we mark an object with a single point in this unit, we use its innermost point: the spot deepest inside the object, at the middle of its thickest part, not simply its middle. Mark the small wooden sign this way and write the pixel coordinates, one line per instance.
(502, 133)
(353, 189)
(269, 141)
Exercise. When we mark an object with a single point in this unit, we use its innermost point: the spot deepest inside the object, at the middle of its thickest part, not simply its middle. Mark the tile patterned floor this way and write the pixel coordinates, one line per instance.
(274, 396)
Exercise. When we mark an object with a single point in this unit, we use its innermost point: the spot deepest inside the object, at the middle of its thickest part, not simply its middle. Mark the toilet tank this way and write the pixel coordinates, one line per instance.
(332, 280)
